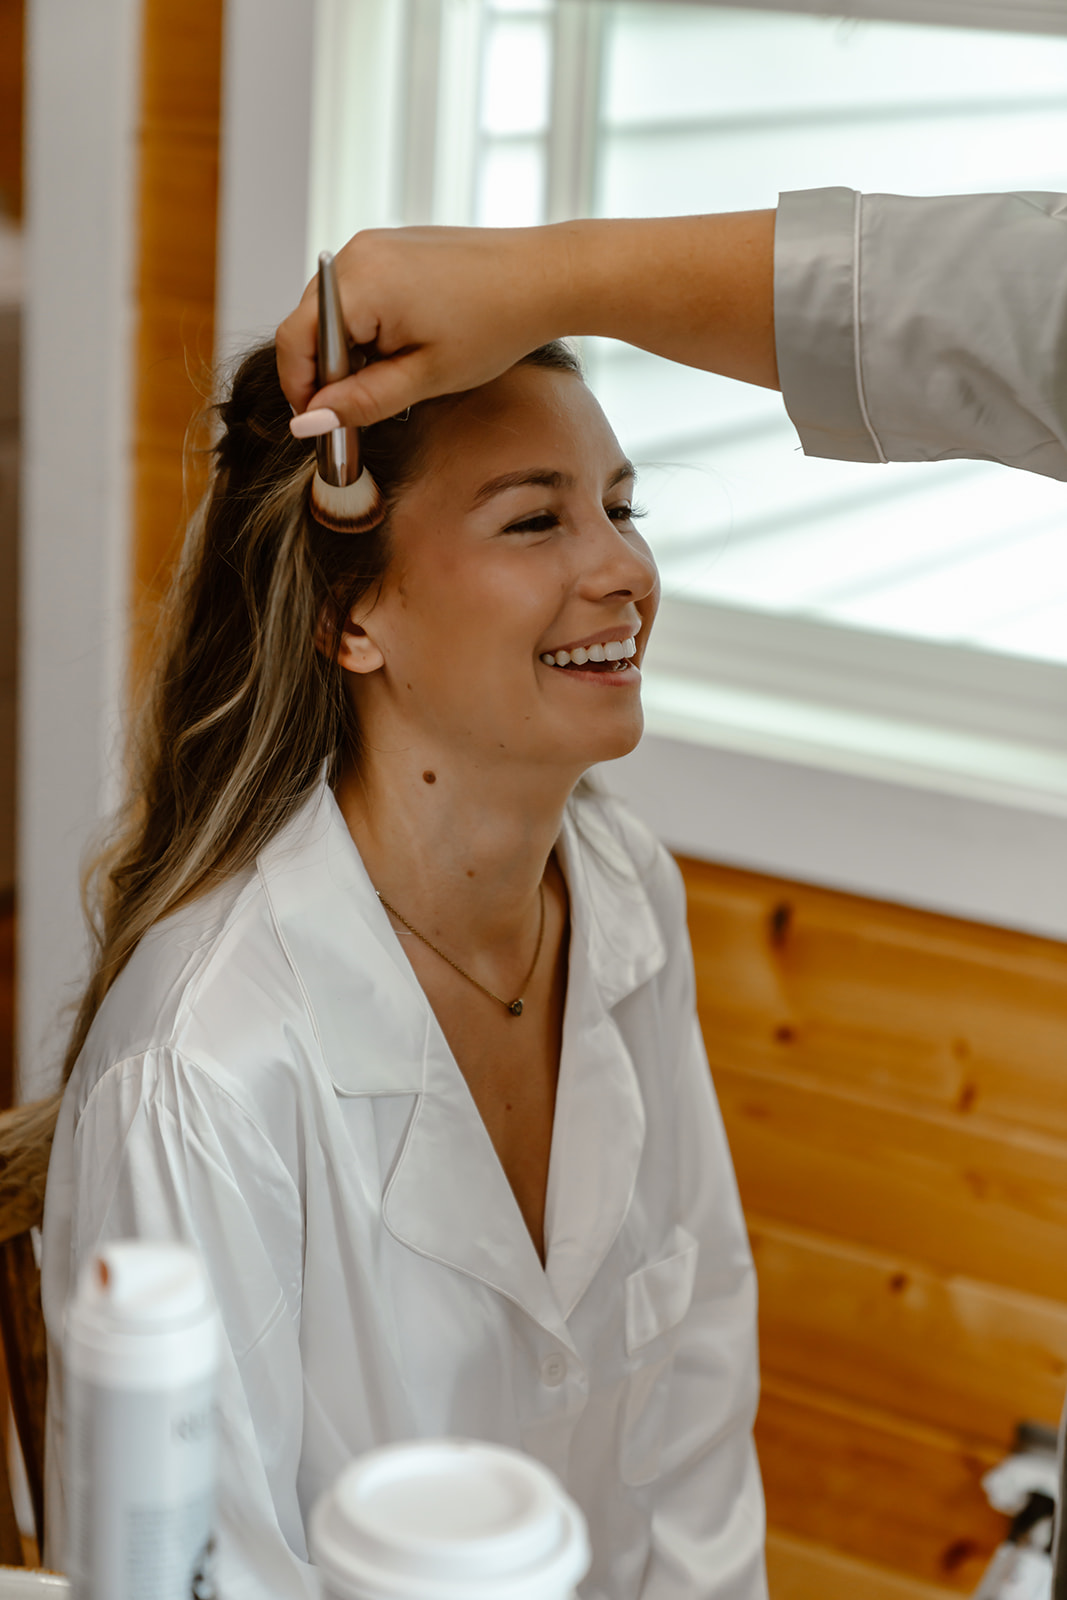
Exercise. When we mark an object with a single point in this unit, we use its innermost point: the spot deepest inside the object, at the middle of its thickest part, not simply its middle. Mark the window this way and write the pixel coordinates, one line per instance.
(901, 620)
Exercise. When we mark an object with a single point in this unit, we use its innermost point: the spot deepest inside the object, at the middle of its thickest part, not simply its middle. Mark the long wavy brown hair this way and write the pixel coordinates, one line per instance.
(242, 708)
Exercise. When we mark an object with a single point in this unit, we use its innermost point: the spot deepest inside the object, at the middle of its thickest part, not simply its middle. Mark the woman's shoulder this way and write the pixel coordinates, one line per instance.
(210, 985)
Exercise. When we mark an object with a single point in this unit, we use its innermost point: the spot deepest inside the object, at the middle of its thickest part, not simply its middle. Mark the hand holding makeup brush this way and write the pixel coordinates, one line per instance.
(451, 308)
(447, 309)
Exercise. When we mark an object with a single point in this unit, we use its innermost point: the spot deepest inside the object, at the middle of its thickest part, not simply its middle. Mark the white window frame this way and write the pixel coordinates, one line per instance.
(1025, 16)
(946, 786)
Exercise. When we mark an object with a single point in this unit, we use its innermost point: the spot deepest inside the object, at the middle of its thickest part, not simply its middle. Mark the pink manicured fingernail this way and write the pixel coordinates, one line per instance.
(310, 424)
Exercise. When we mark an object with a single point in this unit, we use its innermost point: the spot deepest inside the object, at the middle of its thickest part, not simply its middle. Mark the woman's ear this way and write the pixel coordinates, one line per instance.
(357, 652)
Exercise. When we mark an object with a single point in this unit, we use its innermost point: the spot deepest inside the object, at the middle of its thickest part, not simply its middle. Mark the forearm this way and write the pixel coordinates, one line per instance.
(451, 308)
(697, 290)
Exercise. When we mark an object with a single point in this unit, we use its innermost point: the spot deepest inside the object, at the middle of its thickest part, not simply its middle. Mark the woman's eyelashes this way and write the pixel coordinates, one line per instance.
(545, 521)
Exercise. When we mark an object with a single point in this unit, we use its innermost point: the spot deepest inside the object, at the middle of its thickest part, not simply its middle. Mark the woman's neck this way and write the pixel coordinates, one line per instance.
(454, 849)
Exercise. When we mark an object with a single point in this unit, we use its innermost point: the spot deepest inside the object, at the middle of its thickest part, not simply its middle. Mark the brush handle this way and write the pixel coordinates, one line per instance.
(337, 452)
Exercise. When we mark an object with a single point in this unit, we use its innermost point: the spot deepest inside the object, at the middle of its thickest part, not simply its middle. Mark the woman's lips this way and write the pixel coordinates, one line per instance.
(613, 675)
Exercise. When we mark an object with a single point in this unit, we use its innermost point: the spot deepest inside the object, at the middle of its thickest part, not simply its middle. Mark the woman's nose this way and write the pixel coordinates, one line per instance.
(618, 563)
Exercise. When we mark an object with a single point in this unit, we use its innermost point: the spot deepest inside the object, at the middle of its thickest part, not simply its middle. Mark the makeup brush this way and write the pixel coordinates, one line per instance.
(344, 496)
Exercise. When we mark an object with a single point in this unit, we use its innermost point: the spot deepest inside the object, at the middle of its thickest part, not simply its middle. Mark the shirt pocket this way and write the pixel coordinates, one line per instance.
(657, 1299)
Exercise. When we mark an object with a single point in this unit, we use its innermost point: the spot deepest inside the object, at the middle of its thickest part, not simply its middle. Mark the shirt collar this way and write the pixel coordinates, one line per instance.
(611, 913)
(369, 1012)
(371, 1015)
(379, 1037)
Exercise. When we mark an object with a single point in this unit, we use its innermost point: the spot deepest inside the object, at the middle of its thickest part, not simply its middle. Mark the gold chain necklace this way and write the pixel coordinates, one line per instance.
(513, 1006)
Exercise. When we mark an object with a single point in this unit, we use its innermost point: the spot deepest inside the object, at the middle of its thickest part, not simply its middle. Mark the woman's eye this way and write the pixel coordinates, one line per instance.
(542, 523)
(545, 521)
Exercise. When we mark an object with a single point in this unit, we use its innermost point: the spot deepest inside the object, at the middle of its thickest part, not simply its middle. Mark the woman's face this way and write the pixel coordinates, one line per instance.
(515, 542)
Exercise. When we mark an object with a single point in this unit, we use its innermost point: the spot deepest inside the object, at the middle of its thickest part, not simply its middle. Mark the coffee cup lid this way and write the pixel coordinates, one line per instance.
(448, 1519)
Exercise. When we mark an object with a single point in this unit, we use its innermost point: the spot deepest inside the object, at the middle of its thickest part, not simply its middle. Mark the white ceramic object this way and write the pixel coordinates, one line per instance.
(22, 1583)
(448, 1519)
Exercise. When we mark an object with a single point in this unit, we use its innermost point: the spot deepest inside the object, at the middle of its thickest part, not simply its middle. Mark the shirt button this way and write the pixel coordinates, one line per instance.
(553, 1370)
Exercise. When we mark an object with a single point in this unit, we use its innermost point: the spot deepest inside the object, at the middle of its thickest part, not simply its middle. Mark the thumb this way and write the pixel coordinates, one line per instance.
(377, 391)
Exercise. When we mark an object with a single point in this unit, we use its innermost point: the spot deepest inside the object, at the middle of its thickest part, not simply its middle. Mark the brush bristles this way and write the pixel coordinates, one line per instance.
(356, 508)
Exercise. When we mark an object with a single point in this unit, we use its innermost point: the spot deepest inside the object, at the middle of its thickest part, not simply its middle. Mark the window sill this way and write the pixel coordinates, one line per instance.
(936, 779)
(945, 761)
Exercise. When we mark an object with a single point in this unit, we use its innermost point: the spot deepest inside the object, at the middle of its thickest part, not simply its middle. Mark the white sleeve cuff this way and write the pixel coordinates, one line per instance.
(815, 302)
(925, 329)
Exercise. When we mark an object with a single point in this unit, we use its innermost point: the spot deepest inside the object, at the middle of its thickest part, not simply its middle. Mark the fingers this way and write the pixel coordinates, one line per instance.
(446, 309)
(297, 337)
(378, 391)
(295, 343)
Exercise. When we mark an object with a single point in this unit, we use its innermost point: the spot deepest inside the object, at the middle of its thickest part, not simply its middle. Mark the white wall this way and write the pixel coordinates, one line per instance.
(77, 363)
(265, 162)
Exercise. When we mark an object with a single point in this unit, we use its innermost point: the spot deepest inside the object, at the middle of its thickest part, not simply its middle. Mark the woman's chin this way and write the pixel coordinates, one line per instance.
(611, 743)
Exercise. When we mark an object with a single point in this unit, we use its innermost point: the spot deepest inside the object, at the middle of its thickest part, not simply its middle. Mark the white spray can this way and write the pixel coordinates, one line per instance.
(141, 1352)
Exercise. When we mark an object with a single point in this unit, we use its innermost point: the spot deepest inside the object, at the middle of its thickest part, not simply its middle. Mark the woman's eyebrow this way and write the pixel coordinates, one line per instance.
(542, 478)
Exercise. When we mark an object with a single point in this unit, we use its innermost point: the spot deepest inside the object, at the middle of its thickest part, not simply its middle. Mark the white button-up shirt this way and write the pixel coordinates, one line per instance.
(267, 1081)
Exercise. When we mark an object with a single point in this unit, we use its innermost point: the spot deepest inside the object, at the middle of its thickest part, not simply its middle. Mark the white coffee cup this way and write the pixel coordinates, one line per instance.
(448, 1519)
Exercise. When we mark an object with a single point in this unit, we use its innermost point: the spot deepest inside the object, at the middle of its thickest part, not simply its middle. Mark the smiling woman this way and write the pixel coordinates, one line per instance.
(393, 1017)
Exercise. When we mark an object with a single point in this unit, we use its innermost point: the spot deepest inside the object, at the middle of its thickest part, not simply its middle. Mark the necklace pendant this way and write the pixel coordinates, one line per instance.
(515, 1008)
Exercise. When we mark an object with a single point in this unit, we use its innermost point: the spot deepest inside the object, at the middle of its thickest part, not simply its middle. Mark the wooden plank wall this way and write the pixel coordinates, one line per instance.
(12, 46)
(178, 203)
(894, 1085)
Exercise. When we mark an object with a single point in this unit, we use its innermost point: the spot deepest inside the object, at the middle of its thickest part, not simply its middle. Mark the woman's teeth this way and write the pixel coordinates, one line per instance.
(617, 650)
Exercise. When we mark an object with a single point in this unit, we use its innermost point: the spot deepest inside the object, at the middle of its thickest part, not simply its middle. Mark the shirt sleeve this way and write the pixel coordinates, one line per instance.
(925, 329)
(160, 1151)
(709, 1524)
